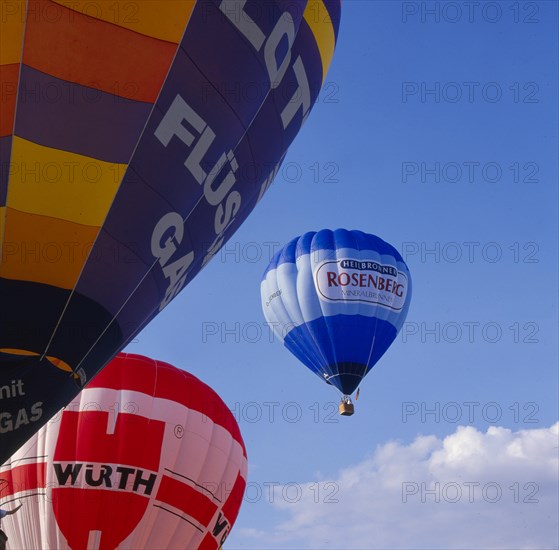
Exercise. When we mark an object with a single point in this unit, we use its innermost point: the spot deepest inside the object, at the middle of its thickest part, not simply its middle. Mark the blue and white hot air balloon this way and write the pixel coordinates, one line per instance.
(337, 300)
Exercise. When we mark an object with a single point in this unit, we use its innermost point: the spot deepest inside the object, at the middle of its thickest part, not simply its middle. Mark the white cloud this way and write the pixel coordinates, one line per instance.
(497, 489)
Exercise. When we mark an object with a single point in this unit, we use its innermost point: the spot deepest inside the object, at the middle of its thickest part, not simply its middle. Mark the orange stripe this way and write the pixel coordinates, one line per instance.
(58, 363)
(12, 19)
(8, 86)
(163, 19)
(94, 53)
(43, 249)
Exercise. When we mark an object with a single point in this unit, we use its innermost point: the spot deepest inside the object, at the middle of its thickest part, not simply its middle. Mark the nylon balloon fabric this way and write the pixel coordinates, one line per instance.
(135, 138)
(337, 300)
(147, 456)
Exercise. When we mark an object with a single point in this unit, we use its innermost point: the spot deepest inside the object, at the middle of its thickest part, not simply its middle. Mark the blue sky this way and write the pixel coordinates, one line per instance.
(437, 133)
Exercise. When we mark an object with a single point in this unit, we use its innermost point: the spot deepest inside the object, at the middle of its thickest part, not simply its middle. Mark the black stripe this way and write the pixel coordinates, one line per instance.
(192, 481)
(25, 458)
(179, 516)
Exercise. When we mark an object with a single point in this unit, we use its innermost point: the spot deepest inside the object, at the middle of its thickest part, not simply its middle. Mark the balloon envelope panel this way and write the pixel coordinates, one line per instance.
(147, 456)
(135, 139)
(337, 300)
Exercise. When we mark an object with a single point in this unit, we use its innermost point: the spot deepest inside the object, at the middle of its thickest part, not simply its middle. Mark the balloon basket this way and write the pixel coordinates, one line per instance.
(346, 409)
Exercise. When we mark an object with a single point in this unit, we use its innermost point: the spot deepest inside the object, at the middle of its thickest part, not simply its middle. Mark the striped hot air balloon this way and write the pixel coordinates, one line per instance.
(147, 456)
(135, 138)
(337, 300)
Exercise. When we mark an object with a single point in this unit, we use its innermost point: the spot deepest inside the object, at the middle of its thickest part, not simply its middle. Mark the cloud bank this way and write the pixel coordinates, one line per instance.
(497, 489)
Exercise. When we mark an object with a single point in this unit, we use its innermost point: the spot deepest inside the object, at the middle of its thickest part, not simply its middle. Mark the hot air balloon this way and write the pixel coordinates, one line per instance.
(337, 300)
(135, 138)
(146, 456)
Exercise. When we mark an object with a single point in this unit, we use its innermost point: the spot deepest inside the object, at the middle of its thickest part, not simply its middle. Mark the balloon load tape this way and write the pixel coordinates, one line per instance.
(80, 378)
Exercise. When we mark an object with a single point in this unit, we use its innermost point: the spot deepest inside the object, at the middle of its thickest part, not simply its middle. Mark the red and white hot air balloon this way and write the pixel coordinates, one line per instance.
(146, 456)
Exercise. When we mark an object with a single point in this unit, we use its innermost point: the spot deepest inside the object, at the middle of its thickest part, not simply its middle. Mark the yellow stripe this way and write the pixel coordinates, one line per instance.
(60, 184)
(163, 19)
(318, 19)
(58, 363)
(12, 19)
(14, 351)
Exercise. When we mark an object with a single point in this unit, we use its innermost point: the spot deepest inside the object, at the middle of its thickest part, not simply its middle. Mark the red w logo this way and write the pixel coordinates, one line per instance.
(114, 467)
